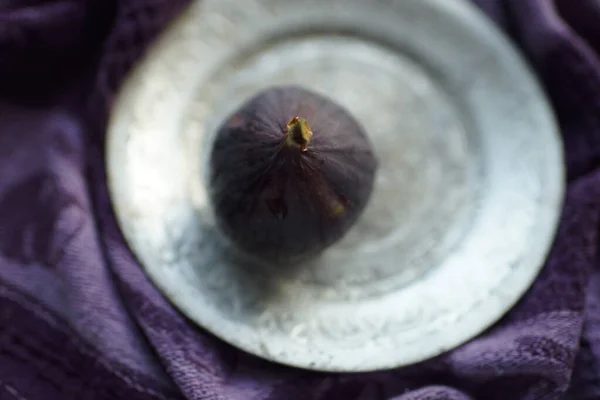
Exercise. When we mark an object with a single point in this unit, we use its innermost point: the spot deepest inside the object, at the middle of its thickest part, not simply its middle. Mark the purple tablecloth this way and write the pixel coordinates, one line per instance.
(79, 319)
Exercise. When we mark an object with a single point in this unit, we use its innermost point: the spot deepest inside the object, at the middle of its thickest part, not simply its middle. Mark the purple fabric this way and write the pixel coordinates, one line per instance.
(79, 319)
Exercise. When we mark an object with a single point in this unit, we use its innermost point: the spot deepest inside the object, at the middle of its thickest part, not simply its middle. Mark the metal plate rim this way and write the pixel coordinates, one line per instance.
(478, 321)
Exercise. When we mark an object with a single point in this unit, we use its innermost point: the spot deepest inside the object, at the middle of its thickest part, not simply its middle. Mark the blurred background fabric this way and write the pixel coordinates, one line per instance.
(80, 320)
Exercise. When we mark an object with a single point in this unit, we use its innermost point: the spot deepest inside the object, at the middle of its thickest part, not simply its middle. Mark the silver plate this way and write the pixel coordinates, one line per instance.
(466, 201)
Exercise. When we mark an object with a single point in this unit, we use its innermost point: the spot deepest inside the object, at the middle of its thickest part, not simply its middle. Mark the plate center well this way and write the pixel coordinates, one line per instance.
(425, 189)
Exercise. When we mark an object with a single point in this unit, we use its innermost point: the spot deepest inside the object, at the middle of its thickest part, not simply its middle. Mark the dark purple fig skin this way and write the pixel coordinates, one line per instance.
(277, 202)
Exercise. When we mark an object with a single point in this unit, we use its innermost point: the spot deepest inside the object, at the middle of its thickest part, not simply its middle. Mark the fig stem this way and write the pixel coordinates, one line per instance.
(298, 133)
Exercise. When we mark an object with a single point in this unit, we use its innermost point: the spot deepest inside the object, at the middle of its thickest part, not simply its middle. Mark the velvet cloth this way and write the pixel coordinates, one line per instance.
(80, 320)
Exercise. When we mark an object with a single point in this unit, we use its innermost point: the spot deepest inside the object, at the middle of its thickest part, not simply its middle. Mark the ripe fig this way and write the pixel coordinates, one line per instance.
(290, 173)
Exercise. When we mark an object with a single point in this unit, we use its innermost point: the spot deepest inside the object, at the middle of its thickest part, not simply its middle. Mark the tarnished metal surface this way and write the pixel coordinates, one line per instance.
(465, 204)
